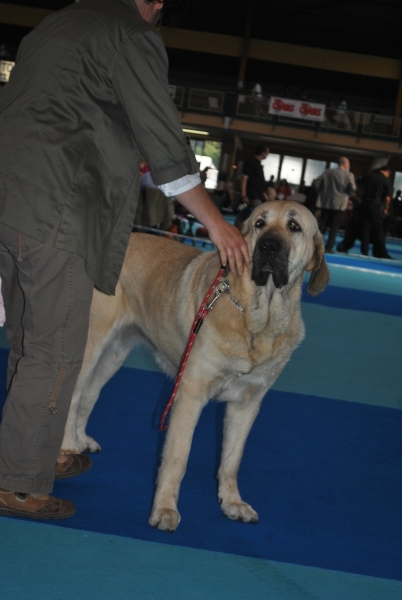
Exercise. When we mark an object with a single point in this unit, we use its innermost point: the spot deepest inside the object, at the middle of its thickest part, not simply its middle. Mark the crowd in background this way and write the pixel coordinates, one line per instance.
(364, 210)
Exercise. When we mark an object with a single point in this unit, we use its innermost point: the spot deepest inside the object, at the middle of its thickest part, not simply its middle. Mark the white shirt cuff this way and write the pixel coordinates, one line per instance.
(178, 186)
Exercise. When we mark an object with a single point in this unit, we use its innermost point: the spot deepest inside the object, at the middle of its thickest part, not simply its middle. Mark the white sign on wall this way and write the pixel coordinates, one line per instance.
(296, 109)
(6, 67)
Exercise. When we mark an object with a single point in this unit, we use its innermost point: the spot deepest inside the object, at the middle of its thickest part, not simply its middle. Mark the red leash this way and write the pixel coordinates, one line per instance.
(196, 326)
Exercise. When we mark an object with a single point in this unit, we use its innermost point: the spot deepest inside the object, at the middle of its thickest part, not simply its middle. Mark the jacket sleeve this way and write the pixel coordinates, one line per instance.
(351, 187)
(140, 82)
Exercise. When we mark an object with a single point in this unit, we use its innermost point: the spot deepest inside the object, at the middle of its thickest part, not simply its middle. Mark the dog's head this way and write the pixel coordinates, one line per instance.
(284, 241)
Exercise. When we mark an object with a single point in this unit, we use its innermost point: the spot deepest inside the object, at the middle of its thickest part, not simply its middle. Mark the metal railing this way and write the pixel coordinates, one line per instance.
(231, 104)
(352, 121)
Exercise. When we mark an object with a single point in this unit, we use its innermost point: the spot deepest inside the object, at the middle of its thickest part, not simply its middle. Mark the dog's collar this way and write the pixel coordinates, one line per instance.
(223, 287)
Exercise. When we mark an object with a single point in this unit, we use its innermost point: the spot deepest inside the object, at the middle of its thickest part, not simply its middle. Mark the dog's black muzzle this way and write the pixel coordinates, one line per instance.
(271, 255)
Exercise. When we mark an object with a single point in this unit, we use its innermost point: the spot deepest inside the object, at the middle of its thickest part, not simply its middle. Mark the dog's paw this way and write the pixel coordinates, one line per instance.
(88, 444)
(240, 511)
(165, 519)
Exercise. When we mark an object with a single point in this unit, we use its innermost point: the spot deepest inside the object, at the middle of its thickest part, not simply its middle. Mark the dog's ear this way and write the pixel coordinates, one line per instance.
(245, 228)
(318, 267)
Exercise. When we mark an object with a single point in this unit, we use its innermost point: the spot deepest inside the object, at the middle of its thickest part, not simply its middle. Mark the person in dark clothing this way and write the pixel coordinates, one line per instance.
(353, 230)
(312, 193)
(253, 183)
(376, 190)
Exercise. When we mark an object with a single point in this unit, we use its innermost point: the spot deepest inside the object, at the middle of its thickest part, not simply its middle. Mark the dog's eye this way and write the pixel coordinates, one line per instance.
(294, 225)
(260, 223)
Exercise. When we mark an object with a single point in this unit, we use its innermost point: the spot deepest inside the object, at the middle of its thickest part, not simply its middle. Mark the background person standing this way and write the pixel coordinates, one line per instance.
(253, 183)
(335, 185)
(376, 190)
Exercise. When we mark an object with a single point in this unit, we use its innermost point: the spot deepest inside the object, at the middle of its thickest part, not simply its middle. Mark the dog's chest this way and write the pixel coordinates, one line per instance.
(240, 386)
(269, 348)
(255, 371)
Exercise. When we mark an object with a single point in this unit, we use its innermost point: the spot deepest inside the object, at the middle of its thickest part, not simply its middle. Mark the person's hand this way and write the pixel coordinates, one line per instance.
(232, 248)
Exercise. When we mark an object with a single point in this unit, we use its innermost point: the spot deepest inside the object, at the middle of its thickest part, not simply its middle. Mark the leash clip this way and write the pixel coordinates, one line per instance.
(225, 289)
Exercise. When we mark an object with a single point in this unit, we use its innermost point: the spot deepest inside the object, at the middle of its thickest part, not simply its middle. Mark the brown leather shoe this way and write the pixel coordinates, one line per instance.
(75, 465)
(15, 504)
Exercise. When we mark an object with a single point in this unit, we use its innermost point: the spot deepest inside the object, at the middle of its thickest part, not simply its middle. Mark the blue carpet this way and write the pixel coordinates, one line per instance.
(340, 297)
(324, 476)
(363, 262)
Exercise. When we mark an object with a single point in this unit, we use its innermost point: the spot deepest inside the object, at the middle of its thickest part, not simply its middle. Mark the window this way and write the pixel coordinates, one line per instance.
(208, 154)
(398, 181)
(314, 168)
(291, 170)
(271, 166)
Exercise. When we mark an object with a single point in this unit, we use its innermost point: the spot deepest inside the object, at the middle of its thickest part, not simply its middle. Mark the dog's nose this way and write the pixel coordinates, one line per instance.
(270, 246)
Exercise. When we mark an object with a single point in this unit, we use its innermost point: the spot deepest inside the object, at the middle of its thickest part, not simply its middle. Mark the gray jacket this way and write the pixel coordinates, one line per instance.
(336, 185)
(88, 96)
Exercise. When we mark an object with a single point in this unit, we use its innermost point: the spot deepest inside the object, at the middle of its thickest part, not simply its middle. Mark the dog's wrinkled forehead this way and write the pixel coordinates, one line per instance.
(282, 214)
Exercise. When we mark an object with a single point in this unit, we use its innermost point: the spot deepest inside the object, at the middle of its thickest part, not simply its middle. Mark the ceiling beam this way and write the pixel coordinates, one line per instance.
(189, 40)
(23, 16)
(328, 60)
(303, 56)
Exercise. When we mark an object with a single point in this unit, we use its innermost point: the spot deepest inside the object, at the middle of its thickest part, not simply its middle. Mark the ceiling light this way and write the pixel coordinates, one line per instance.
(196, 132)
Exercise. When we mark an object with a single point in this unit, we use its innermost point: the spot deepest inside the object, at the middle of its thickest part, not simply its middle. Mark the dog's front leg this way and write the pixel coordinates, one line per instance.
(185, 413)
(238, 421)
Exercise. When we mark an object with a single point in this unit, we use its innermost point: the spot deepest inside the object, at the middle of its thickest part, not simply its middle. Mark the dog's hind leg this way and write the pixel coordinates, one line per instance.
(185, 413)
(70, 441)
(239, 419)
(102, 359)
(114, 354)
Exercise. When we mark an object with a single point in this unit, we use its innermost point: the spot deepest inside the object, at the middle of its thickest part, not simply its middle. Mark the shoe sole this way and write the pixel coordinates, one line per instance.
(14, 512)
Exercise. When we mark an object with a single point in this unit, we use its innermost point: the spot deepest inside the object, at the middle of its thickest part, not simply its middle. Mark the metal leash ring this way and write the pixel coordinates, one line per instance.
(218, 292)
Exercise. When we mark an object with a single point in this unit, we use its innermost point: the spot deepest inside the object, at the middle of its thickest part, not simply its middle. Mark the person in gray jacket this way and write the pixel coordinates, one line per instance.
(87, 98)
(335, 185)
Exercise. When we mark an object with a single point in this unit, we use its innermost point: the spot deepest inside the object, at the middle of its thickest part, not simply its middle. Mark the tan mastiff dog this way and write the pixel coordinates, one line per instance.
(244, 344)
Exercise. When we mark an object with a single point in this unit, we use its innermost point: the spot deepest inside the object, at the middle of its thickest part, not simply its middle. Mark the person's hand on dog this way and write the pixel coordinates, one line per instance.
(232, 248)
